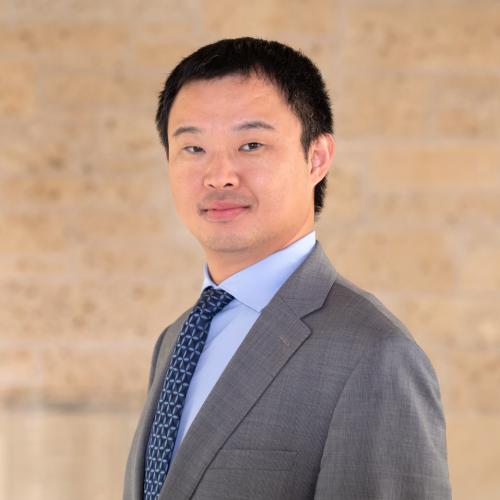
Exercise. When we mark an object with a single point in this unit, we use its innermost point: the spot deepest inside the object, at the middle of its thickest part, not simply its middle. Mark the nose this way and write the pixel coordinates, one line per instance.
(221, 173)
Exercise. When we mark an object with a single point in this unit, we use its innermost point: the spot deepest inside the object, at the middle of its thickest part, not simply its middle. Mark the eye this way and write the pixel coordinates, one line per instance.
(251, 146)
(193, 149)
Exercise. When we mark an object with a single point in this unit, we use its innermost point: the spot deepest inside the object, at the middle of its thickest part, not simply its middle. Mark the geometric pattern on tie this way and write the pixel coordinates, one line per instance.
(187, 352)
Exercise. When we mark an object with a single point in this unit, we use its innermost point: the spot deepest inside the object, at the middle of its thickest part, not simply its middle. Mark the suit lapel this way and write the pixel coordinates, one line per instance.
(273, 339)
(144, 426)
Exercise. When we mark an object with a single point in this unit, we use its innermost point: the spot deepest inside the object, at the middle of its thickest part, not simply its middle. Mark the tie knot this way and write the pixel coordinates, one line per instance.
(213, 300)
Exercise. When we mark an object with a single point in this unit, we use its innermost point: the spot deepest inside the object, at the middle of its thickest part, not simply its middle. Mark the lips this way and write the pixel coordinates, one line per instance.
(223, 210)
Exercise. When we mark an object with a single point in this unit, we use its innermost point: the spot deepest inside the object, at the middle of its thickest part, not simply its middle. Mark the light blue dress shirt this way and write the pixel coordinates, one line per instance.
(253, 288)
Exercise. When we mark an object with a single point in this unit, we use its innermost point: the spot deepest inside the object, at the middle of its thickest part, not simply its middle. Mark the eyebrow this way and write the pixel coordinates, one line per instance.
(186, 130)
(253, 124)
(242, 126)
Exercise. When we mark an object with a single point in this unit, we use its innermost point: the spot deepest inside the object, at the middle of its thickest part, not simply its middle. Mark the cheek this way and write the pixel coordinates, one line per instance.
(270, 174)
(283, 183)
(183, 188)
(265, 186)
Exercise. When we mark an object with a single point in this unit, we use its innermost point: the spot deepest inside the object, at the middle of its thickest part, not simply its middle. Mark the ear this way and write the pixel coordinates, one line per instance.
(320, 157)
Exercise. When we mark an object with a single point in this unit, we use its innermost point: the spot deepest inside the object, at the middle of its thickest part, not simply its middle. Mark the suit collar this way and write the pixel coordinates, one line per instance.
(307, 288)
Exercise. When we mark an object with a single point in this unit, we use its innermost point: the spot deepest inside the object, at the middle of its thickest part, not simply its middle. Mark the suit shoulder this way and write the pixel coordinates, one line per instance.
(362, 310)
(356, 324)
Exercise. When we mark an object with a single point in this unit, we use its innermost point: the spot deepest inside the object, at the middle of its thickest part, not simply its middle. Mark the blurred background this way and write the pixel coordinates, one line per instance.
(94, 263)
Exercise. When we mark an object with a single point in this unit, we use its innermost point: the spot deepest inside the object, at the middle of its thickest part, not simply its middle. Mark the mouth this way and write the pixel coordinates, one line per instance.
(223, 214)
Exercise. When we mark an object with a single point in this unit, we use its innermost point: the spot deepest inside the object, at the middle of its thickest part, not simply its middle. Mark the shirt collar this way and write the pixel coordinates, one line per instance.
(257, 284)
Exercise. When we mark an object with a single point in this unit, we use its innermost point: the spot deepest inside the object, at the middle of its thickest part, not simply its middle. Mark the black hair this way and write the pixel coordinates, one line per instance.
(294, 75)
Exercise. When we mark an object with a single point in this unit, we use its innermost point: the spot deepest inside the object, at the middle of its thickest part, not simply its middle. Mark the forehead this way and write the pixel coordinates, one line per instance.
(230, 98)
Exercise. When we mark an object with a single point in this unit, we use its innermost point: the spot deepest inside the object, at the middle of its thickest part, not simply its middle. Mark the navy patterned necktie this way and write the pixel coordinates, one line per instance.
(187, 351)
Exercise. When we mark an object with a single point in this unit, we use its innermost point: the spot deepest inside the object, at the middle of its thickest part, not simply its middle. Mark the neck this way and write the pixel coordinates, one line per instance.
(223, 265)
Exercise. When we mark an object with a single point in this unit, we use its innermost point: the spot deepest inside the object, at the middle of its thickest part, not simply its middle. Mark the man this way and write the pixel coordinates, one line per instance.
(285, 381)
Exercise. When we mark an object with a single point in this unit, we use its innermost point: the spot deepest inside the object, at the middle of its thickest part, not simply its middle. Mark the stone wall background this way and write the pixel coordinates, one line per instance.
(94, 264)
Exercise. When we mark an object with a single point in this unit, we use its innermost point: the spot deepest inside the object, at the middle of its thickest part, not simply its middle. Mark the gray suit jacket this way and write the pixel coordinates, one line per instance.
(328, 397)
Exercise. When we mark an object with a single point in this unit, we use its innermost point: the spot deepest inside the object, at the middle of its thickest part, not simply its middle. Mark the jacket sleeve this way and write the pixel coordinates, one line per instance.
(387, 438)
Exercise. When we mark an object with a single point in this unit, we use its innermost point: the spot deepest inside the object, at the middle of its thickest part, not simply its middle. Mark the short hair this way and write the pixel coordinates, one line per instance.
(295, 76)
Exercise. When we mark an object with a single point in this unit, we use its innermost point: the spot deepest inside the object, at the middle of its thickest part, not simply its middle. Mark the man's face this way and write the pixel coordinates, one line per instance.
(237, 170)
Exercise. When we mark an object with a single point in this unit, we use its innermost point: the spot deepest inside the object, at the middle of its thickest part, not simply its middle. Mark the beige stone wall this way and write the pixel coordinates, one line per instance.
(94, 264)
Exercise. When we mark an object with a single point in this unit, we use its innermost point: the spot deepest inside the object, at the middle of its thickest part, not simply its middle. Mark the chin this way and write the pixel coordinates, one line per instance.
(227, 244)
